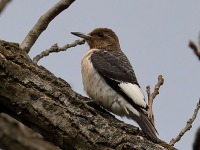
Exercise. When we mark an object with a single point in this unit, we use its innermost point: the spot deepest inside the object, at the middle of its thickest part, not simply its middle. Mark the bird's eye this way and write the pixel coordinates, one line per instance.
(100, 35)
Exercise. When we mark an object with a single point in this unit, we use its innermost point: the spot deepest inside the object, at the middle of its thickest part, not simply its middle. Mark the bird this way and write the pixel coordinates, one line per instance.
(109, 79)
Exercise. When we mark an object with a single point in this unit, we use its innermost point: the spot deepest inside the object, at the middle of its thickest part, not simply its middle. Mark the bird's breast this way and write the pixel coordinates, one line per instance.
(94, 84)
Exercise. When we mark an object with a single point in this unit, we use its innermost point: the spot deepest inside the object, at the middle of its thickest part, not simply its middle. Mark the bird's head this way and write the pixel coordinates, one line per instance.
(100, 38)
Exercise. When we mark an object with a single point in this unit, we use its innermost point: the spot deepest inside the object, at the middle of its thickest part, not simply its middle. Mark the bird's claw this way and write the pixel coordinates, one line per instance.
(88, 105)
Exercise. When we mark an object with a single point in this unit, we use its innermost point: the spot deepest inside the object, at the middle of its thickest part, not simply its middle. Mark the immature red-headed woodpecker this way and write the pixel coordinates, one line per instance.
(109, 79)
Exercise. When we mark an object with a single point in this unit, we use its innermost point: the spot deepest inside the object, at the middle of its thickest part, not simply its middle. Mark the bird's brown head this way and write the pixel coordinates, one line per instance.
(100, 38)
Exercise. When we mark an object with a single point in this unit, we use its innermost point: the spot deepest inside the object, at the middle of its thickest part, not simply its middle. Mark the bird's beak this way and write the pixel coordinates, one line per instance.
(82, 35)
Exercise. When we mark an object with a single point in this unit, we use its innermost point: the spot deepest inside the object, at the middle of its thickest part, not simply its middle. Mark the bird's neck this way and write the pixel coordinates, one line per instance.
(106, 46)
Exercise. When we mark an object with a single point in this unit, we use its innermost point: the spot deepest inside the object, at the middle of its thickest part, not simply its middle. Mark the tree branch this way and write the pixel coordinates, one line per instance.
(23, 139)
(3, 4)
(152, 96)
(48, 105)
(195, 48)
(188, 125)
(56, 48)
(42, 24)
(196, 144)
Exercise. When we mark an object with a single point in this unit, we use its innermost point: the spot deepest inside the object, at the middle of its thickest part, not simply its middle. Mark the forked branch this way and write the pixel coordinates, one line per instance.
(42, 24)
(151, 96)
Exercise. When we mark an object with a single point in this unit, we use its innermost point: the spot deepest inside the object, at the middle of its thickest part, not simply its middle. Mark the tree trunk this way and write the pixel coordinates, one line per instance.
(47, 104)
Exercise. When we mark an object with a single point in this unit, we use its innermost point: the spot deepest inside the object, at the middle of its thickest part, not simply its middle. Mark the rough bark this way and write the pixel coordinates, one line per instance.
(34, 96)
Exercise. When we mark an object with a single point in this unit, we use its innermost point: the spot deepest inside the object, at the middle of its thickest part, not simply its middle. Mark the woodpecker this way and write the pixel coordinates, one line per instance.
(109, 79)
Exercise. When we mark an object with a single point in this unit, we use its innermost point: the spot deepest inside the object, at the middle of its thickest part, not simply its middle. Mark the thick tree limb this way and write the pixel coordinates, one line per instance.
(34, 96)
(16, 136)
(55, 48)
(188, 125)
(43, 23)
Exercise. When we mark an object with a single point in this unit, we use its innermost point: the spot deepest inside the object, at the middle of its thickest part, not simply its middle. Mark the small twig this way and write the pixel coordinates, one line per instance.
(3, 4)
(42, 24)
(56, 48)
(152, 96)
(188, 125)
(195, 48)
(148, 92)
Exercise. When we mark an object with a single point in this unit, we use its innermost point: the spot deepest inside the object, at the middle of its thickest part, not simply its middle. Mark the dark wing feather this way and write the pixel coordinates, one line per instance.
(115, 68)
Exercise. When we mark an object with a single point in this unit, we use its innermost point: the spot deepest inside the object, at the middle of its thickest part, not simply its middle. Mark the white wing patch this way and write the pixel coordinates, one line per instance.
(134, 92)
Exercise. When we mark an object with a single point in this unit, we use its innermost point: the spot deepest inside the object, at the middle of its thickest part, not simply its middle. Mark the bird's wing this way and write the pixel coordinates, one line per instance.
(117, 71)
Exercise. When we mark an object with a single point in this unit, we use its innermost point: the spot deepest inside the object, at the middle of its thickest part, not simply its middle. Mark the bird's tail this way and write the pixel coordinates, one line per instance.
(145, 124)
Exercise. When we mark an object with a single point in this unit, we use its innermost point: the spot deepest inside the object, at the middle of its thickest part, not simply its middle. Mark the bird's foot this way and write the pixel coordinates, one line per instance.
(89, 104)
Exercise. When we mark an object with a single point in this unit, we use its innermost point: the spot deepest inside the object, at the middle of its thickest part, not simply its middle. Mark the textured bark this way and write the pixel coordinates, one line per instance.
(34, 96)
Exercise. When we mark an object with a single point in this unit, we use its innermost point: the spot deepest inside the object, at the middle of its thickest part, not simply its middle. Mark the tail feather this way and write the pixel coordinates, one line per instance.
(145, 124)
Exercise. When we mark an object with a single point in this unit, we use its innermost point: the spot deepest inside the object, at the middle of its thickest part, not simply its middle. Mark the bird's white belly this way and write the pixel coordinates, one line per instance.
(96, 87)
